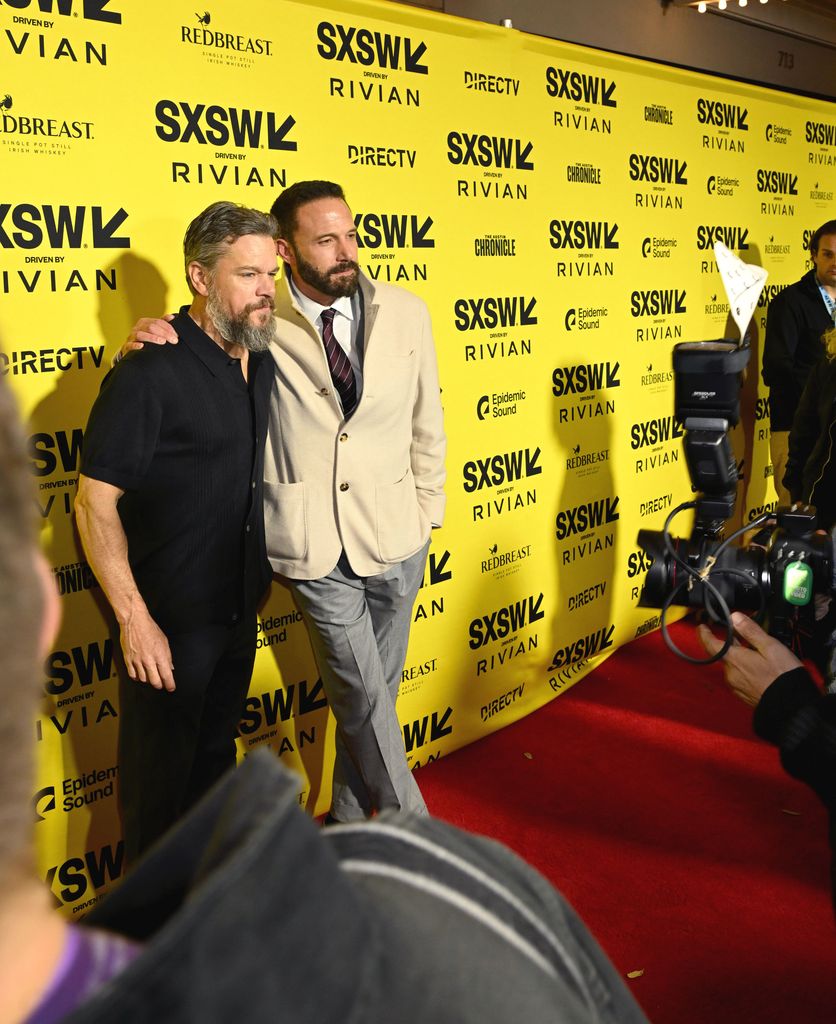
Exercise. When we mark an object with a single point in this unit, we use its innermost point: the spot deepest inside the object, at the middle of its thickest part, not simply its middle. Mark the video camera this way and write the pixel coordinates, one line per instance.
(781, 571)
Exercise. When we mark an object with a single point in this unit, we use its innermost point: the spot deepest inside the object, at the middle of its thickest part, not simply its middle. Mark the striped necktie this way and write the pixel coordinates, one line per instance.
(339, 364)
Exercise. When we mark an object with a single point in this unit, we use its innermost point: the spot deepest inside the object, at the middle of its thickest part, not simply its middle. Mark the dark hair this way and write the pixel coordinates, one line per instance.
(287, 203)
(828, 228)
(21, 613)
(221, 224)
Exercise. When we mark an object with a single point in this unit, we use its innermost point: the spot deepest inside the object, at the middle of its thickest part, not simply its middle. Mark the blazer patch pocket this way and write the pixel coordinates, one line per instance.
(398, 519)
(285, 520)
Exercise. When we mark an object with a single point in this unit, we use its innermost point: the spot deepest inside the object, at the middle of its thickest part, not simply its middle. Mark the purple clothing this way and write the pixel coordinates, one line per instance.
(89, 959)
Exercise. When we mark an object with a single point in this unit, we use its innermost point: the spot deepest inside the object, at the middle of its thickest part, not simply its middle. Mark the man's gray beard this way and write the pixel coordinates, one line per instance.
(238, 330)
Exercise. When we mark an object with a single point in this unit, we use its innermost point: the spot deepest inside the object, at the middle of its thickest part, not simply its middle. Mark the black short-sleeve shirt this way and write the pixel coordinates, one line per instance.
(179, 430)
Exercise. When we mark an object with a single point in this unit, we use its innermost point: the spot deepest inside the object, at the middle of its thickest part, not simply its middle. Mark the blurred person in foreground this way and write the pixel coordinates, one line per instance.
(246, 910)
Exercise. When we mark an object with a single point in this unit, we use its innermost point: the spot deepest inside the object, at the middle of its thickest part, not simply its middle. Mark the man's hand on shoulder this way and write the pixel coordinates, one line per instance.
(149, 331)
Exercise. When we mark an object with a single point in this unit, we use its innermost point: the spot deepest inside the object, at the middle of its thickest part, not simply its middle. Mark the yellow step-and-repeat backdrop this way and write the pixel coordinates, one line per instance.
(555, 206)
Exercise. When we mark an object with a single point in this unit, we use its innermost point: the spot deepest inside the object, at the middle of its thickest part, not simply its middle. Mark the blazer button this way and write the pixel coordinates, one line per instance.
(343, 437)
(323, 391)
(343, 487)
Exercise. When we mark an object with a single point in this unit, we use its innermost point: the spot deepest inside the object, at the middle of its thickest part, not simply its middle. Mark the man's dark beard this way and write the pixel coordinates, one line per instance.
(237, 329)
(328, 283)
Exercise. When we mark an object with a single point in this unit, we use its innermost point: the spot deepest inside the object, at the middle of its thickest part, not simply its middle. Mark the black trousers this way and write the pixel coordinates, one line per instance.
(174, 746)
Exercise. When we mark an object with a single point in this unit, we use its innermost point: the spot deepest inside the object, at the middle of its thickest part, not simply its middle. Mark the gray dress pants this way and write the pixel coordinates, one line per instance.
(359, 630)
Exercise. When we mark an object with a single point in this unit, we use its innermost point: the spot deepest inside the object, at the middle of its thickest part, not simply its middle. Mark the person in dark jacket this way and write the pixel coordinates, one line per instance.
(810, 476)
(790, 710)
(795, 321)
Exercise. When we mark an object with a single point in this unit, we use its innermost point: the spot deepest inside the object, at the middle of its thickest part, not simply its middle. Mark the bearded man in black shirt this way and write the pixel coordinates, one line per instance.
(169, 510)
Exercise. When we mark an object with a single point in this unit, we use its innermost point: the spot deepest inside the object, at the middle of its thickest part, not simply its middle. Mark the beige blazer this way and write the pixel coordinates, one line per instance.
(371, 485)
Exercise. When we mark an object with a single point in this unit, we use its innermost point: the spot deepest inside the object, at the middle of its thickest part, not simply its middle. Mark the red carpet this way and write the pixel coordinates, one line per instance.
(645, 797)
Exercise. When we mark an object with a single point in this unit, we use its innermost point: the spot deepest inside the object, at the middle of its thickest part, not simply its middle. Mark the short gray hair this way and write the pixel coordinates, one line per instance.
(219, 226)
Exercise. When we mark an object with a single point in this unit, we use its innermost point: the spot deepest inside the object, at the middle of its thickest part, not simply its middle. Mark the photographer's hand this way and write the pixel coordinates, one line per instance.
(751, 669)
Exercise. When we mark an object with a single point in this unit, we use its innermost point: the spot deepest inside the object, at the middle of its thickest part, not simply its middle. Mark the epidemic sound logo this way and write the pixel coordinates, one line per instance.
(91, 10)
(505, 621)
(204, 36)
(222, 126)
(721, 186)
(61, 227)
(778, 134)
(734, 238)
(465, 148)
(381, 156)
(504, 403)
(720, 114)
(499, 84)
(23, 126)
(495, 245)
(583, 174)
(655, 113)
(590, 90)
(658, 248)
(582, 648)
(489, 313)
(393, 231)
(497, 470)
(585, 318)
(370, 49)
(50, 360)
(658, 170)
(43, 802)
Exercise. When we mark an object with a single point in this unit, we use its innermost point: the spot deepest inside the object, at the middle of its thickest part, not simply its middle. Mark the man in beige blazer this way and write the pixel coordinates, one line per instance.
(354, 476)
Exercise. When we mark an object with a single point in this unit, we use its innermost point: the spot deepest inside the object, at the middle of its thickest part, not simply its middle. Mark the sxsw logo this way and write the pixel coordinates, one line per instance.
(583, 235)
(638, 563)
(489, 151)
(657, 302)
(505, 621)
(81, 667)
(582, 648)
(777, 182)
(491, 312)
(28, 226)
(58, 451)
(732, 237)
(722, 115)
(586, 377)
(658, 169)
(585, 517)
(78, 875)
(91, 10)
(566, 84)
(213, 125)
(818, 133)
(393, 230)
(370, 49)
(430, 728)
(497, 470)
(653, 432)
